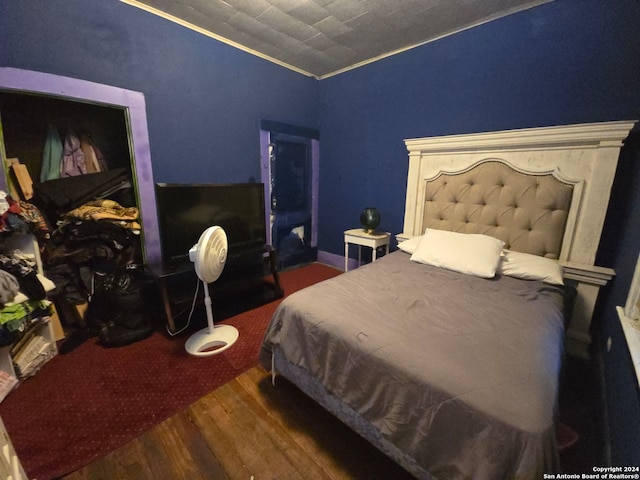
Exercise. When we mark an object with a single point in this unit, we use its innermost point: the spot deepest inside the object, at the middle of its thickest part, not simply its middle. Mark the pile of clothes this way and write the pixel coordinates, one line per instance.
(91, 230)
(23, 290)
(100, 236)
(17, 216)
(23, 295)
(91, 256)
(86, 230)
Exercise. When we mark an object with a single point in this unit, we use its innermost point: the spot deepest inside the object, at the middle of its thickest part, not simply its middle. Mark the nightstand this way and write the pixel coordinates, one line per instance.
(358, 236)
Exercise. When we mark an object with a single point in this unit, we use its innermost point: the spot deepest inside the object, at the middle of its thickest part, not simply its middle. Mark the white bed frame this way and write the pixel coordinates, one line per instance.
(584, 155)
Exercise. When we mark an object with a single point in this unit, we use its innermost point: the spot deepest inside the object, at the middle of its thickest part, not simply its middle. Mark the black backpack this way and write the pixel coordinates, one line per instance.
(123, 306)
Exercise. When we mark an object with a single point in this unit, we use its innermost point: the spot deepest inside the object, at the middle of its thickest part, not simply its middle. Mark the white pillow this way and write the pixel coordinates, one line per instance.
(470, 253)
(410, 245)
(531, 267)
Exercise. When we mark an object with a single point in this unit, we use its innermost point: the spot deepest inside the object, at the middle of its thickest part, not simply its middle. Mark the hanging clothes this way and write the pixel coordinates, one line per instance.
(94, 159)
(99, 157)
(91, 161)
(73, 161)
(52, 155)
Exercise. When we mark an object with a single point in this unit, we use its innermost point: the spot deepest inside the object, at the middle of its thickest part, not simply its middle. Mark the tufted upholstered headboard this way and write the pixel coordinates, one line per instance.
(541, 190)
(528, 212)
(585, 156)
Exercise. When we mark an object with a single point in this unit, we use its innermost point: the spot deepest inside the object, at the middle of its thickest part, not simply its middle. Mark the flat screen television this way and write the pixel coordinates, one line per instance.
(187, 210)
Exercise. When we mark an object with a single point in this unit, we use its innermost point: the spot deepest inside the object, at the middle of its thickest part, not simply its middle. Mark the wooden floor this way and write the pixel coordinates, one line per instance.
(247, 429)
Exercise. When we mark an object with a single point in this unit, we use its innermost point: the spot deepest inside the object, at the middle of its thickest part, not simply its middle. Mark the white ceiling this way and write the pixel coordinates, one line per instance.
(323, 37)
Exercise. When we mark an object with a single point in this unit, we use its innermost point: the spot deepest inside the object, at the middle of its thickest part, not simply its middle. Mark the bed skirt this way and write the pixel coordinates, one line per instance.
(312, 388)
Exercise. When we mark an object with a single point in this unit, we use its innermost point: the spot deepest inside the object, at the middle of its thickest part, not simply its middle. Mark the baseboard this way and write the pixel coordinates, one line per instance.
(334, 260)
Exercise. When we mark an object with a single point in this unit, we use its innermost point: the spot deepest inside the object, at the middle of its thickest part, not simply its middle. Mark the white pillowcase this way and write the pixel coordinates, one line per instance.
(470, 253)
(410, 245)
(531, 267)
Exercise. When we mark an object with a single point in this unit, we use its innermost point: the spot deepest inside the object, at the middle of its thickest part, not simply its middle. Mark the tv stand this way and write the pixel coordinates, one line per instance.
(249, 279)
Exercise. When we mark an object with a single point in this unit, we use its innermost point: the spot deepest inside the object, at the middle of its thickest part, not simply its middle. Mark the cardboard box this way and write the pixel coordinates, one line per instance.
(58, 331)
(23, 179)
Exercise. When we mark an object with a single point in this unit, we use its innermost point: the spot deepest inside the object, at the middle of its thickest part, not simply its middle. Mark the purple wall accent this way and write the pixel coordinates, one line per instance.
(315, 189)
(133, 103)
(337, 261)
(265, 178)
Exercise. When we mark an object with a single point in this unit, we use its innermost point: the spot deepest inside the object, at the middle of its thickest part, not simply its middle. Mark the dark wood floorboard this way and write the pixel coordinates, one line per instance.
(247, 429)
(250, 429)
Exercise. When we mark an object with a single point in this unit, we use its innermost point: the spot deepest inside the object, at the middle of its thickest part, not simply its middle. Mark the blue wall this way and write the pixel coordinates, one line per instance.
(204, 99)
(568, 61)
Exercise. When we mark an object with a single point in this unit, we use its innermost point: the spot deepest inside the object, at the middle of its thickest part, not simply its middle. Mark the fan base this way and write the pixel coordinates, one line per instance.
(204, 342)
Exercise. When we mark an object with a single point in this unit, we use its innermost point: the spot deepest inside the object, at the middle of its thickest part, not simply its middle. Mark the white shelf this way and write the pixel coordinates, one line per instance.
(27, 244)
(50, 349)
(10, 466)
(631, 329)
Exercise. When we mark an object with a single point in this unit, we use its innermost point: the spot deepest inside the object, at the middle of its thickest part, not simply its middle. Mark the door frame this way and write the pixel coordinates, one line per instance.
(303, 135)
(133, 104)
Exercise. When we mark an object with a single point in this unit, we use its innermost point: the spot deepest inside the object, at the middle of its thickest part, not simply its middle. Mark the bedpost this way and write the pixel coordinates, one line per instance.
(411, 225)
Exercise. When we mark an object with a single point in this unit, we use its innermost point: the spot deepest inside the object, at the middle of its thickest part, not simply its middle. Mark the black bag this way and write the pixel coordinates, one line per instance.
(123, 306)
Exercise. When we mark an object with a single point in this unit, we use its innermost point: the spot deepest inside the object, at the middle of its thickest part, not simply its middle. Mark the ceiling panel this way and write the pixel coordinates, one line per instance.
(324, 37)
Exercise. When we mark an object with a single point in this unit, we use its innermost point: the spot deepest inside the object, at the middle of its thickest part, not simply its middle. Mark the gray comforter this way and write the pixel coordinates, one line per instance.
(459, 372)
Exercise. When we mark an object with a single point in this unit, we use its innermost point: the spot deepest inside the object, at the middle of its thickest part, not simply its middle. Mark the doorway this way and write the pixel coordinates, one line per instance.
(290, 179)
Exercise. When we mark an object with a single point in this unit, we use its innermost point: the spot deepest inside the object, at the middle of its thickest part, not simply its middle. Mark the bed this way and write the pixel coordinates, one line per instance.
(446, 354)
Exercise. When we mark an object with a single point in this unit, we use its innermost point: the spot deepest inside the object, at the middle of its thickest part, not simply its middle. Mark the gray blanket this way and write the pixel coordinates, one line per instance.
(459, 372)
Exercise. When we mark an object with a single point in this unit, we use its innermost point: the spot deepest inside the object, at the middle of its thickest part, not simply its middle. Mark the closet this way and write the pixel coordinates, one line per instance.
(116, 118)
(35, 128)
(28, 122)
(131, 110)
(96, 134)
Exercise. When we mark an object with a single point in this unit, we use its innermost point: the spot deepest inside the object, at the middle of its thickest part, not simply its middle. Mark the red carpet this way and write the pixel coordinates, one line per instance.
(92, 400)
